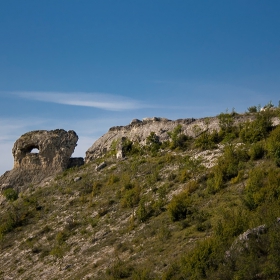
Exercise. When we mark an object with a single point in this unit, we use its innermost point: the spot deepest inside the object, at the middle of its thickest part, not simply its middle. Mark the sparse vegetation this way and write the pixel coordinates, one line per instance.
(178, 139)
(158, 214)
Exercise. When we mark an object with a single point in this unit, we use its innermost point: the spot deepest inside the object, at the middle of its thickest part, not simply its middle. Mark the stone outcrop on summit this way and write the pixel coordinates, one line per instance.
(138, 131)
(54, 148)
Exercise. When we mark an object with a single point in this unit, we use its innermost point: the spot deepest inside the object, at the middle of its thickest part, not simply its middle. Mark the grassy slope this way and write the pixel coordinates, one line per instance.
(117, 223)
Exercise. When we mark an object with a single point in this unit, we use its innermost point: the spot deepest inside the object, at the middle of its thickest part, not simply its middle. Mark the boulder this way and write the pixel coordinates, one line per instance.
(54, 147)
(242, 241)
(76, 179)
(53, 150)
(101, 166)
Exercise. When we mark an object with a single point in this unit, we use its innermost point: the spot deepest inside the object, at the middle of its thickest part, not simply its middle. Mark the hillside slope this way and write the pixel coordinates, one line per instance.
(174, 209)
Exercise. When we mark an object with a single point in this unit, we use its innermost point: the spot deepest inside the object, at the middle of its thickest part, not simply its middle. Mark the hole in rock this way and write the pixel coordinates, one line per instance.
(34, 151)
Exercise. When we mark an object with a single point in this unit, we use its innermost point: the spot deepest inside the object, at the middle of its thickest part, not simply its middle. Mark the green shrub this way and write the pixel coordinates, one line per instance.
(263, 186)
(231, 224)
(61, 237)
(178, 139)
(96, 188)
(164, 233)
(227, 167)
(273, 145)
(19, 213)
(258, 129)
(252, 109)
(130, 148)
(226, 122)
(152, 143)
(113, 179)
(228, 131)
(131, 197)
(202, 260)
(142, 274)
(173, 272)
(259, 257)
(143, 211)
(10, 194)
(93, 221)
(119, 270)
(257, 150)
(215, 181)
(191, 169)
(207, 140)
(180, 206)
(194, 166)
(158, 204)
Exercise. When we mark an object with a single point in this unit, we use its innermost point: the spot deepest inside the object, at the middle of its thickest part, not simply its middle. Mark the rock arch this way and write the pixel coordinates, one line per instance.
(54, 150)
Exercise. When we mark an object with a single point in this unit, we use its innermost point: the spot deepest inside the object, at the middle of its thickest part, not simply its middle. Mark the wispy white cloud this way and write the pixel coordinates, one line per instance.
(97, 100)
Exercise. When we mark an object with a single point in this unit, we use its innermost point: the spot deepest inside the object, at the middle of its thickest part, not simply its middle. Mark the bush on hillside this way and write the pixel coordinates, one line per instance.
(10, 194)
(263, 186)
(207, 140)
(152, 143)
(257, 150)
(179, 140)
(228, 131)
(228, 166)
(273, 145)
(252, 109)
(180, 206)
(258, 129)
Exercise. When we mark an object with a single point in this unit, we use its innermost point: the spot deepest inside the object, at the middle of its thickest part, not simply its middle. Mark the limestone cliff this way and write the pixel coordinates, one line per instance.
(138, 131)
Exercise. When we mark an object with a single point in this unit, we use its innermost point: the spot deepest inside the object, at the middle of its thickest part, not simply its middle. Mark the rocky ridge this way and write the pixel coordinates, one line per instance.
(55, 147)
(138, 131)
(111, 217)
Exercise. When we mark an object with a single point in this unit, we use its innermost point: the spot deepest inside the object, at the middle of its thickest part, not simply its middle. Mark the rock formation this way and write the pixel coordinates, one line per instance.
(242, 241)
(138, 131)
(54, 148)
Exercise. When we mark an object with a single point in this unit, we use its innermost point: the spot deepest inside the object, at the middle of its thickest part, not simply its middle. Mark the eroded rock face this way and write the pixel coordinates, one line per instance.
(53, 151)
(242, 241)
(138, 131)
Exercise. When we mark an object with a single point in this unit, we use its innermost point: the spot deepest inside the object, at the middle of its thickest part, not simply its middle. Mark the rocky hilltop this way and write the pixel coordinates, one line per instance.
(138, 131)
(54, 148)
(204, 207)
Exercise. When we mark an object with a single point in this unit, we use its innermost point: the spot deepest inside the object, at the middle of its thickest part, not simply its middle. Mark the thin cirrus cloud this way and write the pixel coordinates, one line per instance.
(97, 100)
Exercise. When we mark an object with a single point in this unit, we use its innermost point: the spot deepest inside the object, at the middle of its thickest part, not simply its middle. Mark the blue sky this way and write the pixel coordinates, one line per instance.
(91, 64)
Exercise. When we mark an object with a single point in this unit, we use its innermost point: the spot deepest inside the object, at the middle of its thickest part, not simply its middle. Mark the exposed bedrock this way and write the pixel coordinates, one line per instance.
(39, 154)
(138, 131)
